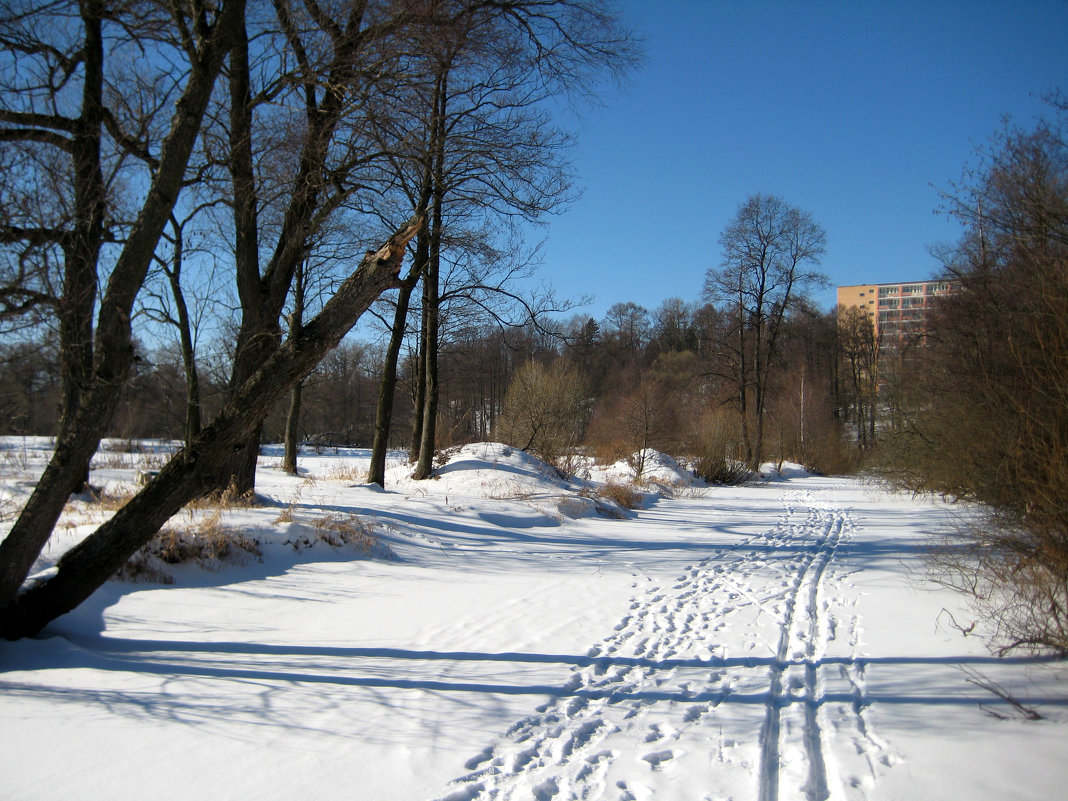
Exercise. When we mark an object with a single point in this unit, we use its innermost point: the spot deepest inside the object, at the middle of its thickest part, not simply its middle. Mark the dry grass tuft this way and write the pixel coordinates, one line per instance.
(112, 500)
(625, 496)
(341, 472)
(205, 542)
(228, 498)
(337, 530)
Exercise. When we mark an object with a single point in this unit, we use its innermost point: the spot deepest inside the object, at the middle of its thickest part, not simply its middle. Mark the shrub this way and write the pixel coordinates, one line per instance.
(717, 443)
(544, 411)
(626, 495)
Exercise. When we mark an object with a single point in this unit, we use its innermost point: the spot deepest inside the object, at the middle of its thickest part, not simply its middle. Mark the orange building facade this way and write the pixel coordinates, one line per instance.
(895, 309)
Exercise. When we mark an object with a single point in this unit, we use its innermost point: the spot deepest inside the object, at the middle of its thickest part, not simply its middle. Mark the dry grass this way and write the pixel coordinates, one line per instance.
(338, 530)
(204, 541)
(117, 460)
(341, 472)
(625, 496)
(228, 498)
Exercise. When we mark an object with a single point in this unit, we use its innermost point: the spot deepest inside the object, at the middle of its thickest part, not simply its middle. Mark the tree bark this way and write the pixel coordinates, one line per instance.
(192, 471)
(259, 333)
(292, 444)
(419, 390)
(185, 335)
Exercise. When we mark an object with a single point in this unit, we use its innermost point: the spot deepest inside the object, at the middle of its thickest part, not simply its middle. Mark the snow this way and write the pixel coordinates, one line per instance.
(777, 640)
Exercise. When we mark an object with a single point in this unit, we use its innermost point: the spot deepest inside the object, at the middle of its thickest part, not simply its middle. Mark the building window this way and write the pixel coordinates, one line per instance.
(884, 291)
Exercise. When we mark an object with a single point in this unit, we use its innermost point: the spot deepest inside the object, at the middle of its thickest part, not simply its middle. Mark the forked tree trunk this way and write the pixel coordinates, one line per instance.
(193, 471)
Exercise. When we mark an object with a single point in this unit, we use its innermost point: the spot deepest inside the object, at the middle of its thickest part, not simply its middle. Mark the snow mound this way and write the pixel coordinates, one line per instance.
(656, 467)
(492, 470)
(773, 471)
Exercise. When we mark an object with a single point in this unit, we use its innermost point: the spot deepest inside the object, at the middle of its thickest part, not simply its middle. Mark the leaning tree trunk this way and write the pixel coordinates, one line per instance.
(192, 471)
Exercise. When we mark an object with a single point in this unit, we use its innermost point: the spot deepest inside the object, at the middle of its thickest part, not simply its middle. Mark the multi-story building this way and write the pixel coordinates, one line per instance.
(895, 309)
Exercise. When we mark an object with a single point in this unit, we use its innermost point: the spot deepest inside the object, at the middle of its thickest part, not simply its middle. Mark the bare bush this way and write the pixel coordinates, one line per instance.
(719, 447)
(1016, 581)
(626, 495)
(545, 411)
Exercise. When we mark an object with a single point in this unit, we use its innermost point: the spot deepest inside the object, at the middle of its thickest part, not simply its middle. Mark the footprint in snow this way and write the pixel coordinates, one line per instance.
(658, 759)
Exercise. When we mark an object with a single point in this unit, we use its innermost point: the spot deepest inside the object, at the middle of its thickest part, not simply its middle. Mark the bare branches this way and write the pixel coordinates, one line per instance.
(762, 276)
(986, 419)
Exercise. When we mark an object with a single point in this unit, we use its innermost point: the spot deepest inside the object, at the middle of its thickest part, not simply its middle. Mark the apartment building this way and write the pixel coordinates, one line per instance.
(895, 309)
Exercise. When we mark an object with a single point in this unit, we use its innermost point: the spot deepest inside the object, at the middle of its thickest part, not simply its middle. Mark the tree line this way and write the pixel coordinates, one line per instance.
(246, 179)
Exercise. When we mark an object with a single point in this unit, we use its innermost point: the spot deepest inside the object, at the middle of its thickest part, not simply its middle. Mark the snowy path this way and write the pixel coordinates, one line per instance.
(656, 682)
(765, 643)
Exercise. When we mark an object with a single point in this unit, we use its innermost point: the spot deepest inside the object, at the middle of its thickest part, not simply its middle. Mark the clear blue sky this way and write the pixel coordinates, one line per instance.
(858, 112)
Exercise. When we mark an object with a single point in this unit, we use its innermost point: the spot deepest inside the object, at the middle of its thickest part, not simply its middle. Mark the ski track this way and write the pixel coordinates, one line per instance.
(663, 661)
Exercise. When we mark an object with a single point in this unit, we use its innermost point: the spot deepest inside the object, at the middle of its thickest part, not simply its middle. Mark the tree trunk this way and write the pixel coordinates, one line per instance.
(82, 248)
(419, 395)
(259, 334)
(192, 471)
(425, 466)
(185, 335)
(376, 474)
(296, 321)
(113, 351)
(292, 446)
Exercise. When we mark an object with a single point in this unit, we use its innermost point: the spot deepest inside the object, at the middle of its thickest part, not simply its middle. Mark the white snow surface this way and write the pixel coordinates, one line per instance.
(772, 641)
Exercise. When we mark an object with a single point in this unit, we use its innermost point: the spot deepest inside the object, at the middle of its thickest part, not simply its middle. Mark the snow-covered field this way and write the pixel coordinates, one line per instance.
(512, 638)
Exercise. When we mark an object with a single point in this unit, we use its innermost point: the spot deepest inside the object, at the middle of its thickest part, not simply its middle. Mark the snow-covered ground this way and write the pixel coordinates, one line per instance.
(515, 636)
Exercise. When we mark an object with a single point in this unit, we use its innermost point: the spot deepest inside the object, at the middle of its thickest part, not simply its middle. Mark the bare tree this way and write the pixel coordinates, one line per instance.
(987, 419)
(99, 361)
(490, 153)
(192, 471)
(769, 249)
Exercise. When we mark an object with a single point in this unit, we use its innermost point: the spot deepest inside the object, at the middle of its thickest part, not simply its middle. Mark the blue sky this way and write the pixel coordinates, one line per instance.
(858, 112)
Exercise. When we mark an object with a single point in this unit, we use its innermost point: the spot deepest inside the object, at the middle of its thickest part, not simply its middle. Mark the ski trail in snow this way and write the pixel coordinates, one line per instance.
(801, 645)
(650, 700)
